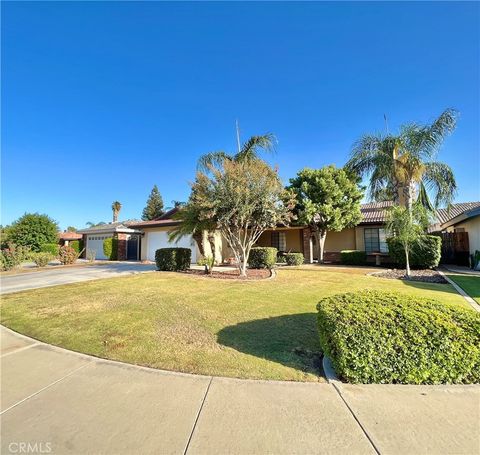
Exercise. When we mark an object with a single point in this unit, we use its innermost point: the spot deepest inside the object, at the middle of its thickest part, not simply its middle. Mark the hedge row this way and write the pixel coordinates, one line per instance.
(381, 337)
(262, 257)
(110, 248)
(353, 257)
(173, 259)
(424, 254)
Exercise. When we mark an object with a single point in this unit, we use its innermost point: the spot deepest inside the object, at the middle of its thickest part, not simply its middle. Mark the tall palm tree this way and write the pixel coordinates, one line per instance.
(248, 151)
(116, 207)
(404, 167)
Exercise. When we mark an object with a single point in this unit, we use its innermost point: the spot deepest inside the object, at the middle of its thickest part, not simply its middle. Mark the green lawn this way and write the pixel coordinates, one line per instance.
(264, 329)
(470, 284)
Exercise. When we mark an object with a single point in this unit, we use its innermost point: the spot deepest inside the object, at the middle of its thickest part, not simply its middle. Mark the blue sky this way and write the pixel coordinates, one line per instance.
(100, 101)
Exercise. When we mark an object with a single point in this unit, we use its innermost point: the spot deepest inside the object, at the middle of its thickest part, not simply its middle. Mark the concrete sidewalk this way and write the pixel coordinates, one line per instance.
(65, 402)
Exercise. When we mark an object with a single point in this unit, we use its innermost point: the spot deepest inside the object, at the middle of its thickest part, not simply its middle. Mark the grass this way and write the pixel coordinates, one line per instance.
(470, 284)
(263, 329)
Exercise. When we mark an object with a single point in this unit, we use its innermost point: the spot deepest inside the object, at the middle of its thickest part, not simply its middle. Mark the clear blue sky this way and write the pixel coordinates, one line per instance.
(102, 100)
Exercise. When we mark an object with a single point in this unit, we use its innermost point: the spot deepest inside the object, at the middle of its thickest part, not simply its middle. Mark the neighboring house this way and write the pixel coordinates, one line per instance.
(129, 239)
(64, 238)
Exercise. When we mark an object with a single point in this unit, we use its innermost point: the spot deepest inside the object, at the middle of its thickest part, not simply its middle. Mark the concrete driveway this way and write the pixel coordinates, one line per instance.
(57, 401)
(56, 276)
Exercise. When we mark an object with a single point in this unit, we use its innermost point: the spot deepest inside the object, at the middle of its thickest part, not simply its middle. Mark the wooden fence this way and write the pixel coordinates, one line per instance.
(455, 248)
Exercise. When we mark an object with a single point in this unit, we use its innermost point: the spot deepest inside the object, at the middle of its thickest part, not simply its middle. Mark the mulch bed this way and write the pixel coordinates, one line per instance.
(252, 274)
(426, 276)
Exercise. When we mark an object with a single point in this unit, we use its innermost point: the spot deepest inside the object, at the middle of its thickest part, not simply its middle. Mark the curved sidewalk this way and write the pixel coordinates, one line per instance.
(64, 402)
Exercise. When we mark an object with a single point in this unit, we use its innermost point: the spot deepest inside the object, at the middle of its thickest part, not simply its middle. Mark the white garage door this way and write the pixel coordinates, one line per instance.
(95, 242)
(156, 240)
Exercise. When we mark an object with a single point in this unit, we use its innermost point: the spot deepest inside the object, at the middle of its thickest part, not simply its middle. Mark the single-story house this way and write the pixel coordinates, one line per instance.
(64, 238)
(129, 239)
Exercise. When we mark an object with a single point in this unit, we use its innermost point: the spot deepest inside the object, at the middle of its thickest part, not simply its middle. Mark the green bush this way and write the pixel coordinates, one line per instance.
(262, 257)
(77, 245)
(281, 258)
(353, 257)
(208, 262)
(294, 258)
(110, 248)
(13, 256)
(381, 337)
(51, 248)
(425, 254)
(67, 255)
(41, 259)
(173, 259)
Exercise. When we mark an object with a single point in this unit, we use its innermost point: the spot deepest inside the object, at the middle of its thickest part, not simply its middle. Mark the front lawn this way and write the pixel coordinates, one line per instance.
(470, 284)
(257, 329)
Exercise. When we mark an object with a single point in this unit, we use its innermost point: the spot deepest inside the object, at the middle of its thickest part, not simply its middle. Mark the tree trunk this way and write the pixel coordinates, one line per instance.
(211, 241)
(407, 263)
(321, 236)
(409, 191)
(242, 267)
(198, 237)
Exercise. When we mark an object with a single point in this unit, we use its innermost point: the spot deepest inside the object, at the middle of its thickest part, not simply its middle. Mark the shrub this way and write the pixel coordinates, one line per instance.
(41, 259)
(91, 254)
(173, 259)
(110, 248)
(281, 258)
(13, 256)
(424, 254)
(353, 257)
(262, 257)
(381, 337)
(77, 245)
(51, 248)
(294, 258)
(67, 255)
(33, 230)
(208, 262)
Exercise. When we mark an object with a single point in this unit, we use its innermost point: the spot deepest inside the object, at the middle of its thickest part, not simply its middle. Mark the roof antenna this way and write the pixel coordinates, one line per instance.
(238, 135)
(386, 122)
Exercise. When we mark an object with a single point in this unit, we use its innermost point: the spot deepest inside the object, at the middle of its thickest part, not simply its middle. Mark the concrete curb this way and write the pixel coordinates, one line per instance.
(471, 302)
(329, 371)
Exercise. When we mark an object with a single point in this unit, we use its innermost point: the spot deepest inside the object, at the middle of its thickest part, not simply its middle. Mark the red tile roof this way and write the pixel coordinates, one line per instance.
(69, 236)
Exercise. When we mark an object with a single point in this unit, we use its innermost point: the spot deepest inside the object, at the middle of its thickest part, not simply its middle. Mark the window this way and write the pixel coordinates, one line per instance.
(279, 241)
(375, 240)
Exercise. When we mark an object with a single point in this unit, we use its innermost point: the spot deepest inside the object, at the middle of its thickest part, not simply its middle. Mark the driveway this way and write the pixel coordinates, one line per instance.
(57, 401)
(66, 275)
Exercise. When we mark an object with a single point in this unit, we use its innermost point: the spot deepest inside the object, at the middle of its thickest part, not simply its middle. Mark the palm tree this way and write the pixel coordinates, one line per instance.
(116, 207)
(404, 167)
(91, 224)
(248, 151)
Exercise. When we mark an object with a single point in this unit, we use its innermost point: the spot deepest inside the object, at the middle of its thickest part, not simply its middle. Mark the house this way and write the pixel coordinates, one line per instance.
(64, 238)
(129, 239)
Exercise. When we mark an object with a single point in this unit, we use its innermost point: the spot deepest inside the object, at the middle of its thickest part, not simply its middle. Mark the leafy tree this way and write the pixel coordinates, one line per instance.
(33, 230)
(404, 167)
(116, 207)
(328, 200)
(154, 207)
(248, 151)
(71, 229)
(243, 199)
(407, 226)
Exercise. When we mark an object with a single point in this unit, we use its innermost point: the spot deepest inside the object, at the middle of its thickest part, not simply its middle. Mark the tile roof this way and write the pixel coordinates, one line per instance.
(445, 215)
(163, 220)
(375, 212)
(111, 227)
(69, 236)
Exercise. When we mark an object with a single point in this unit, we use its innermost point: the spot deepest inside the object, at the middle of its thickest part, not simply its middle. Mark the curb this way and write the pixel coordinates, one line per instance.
(471, 302)
(329, 371)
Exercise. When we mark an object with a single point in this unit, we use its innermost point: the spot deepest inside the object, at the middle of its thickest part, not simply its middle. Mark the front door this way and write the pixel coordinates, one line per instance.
(132, 248)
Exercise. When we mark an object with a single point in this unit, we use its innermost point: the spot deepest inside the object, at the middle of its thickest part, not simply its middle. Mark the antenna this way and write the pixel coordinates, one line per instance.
(238, 135)
(386, 122)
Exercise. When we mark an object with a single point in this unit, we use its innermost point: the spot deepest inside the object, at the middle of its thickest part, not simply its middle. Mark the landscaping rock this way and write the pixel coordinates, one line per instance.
(427, 276)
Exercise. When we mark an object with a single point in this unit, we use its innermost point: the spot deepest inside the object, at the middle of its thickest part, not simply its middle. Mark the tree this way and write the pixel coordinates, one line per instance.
(247, 152)
(154, 207)
(116, 207)
(404, 167)
(407, 226)
(71, 229)
(33, 230)
(243, 199)
(328, 200)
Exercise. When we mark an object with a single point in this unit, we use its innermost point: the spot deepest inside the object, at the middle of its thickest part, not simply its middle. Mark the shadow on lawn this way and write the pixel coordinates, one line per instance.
(291, 340)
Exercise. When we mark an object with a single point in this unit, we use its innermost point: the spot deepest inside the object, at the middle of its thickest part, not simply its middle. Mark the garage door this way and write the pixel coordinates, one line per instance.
(95, 242)
(156, 240)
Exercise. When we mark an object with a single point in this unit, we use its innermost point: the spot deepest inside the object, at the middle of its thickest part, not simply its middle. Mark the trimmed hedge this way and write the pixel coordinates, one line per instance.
(294, 258)
(110, 248)
(424, 254)
(381, 337)
(173, 259)
(353, 257)
(262, 257)
(52, 248)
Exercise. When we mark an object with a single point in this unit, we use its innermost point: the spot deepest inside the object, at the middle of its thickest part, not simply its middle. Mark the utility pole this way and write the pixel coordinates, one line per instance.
(238, 135)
